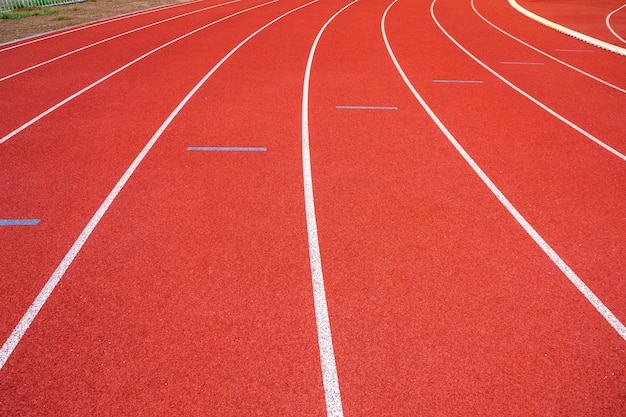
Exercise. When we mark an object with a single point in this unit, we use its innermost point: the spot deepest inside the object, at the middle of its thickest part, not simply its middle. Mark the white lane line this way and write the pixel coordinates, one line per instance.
(32, 67)
(332, 394)
(580, 71)
(122, 68)
(45, 36)
(16, 336)
(523, 93)
(545, 247)
(559, 28)
(608, 23)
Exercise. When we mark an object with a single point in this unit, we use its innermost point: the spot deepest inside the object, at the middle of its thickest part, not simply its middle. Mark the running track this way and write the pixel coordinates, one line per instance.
(324, 208)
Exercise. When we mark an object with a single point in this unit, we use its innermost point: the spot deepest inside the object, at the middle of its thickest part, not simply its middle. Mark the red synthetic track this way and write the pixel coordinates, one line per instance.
(193, 294)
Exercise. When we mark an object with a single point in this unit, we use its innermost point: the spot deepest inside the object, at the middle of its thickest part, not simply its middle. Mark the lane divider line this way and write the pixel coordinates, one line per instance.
(119, 35)
(607, 21)
(122, 68)
(225, 149)
(18, 332)
(19, 222)
(460, 81)
(367, 107)
(580, 71)
(545, 247)
(559, 28)
(330, 379)
(60, 32)
(523, 93)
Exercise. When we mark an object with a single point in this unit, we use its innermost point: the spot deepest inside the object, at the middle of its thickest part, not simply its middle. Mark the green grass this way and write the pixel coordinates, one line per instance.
(22, 13)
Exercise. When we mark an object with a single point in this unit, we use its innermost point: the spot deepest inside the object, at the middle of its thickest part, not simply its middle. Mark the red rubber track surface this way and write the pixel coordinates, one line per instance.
(601, 63)
(193, 295)
(584, 16)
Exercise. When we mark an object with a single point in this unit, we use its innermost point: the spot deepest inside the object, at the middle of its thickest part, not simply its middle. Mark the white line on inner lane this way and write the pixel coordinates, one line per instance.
(119, 35)
(16, 336)
(523, 93)
(45, 36)
(334, 407)
(608, 23)
(545, 247)
(122, 68)
(546, 54)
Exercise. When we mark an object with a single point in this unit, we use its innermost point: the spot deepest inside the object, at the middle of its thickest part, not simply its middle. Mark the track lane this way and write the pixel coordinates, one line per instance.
(213, 283)
(552, 54)
(45, 90)
(588, 211)
(611, 20)
(440, 303)
(599, 62)
(41, 63)
(450, 342)
(63, 167)
(51, 44)
(576, 203)
(589, 107)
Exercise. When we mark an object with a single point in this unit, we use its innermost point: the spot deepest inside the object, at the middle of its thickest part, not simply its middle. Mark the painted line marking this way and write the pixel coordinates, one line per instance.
(225, 149)
(123, 67)
(459, 81)
(608, 23)
(574, 50)
(330, 379)
(607, 314)
(520, 63)
(119, 35)
(53, 34)
(19, 222)
(593, 77)
(524, 93)
(31, 313)
(367, 107)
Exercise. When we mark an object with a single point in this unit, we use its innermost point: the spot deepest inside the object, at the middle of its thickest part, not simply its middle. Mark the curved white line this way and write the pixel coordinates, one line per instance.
(608, 23)
(65, 55)
(608, 84)
(580, 36)
(16, 336)
(324, 337)
(120, 69)
(42, 36)
(525, 94)
(545, 247)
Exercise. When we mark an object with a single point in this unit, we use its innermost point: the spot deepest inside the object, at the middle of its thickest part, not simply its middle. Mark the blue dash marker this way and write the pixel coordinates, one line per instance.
(18, 222)
(367, 107)
(574, 50)
(224, 149)
(520, 63)
(459, 81)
